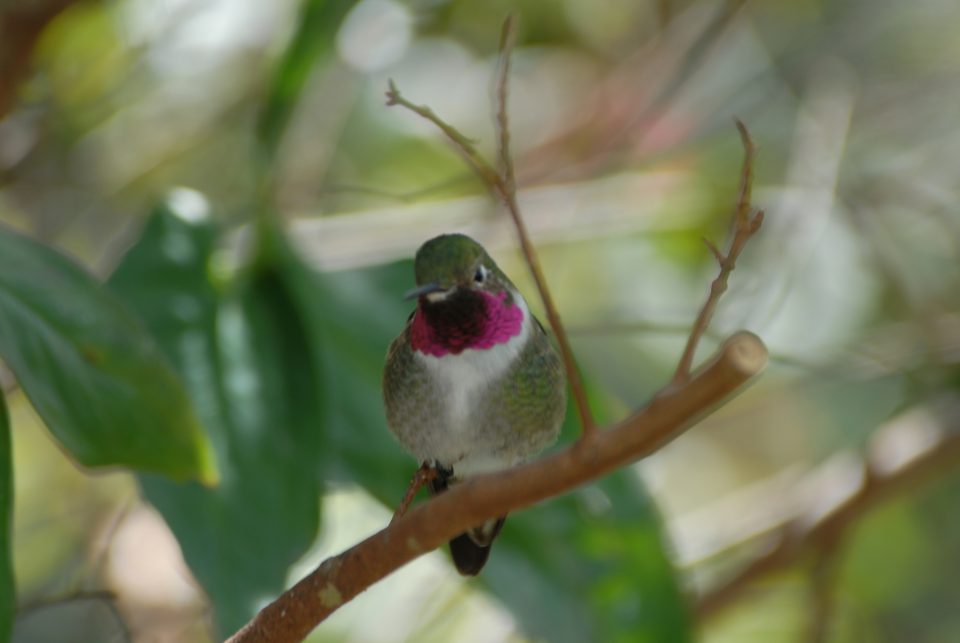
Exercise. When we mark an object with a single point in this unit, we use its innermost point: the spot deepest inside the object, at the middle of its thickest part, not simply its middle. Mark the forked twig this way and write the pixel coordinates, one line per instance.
(463, 144)
(743, 227)
(503, 184)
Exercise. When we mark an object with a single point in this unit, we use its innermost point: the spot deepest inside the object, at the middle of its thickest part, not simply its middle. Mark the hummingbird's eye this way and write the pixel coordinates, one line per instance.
(480, 275)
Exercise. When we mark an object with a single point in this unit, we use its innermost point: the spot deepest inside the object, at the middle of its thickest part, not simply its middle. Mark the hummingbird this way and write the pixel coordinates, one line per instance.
(472, 384)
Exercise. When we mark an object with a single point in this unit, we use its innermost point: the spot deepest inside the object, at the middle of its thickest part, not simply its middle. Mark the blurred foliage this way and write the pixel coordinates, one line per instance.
(90, 370)
(316, 29)
(8, 601)
(621, 122)
(251, 366)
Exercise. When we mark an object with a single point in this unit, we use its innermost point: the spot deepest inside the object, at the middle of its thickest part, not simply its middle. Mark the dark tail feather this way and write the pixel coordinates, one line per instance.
(468, 556)
(471, 549)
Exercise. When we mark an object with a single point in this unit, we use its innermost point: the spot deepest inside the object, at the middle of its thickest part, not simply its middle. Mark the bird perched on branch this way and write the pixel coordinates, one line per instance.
(472, 385)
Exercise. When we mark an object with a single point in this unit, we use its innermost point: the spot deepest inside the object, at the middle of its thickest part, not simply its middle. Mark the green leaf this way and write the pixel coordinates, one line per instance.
(89, 368)
(251, 362)
(316, 28)
(7, 587)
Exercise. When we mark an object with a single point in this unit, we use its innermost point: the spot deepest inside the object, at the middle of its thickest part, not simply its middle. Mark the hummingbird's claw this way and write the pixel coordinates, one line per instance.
(423, 476)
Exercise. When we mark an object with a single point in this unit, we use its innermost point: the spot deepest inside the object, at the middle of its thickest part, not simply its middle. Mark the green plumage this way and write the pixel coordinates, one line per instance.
(475, 410)
(511, 418)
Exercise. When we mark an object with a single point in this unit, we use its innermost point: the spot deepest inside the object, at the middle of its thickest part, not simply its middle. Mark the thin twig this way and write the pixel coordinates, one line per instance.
(506, 186)
(743, 227)
(503, 185)
(508, 37)
(463, 144)
(429, 525)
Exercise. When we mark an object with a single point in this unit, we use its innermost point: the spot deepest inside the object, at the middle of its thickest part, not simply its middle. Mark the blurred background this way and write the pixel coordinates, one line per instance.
(839, 469)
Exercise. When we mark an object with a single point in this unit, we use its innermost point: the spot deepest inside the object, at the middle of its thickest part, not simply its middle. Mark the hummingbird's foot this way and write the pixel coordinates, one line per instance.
(427, 473)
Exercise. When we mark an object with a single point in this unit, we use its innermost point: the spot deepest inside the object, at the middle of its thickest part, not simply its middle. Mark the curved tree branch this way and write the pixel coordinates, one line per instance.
(429, 525)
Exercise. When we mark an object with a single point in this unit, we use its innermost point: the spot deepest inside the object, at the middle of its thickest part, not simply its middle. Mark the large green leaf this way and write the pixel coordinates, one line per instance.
(90, 369)
(251, 362)
(7, 588)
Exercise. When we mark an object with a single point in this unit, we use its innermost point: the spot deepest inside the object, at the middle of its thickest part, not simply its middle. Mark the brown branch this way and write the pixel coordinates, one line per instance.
(503, 185)
(816, 533)
(743, 227)
(427, 526)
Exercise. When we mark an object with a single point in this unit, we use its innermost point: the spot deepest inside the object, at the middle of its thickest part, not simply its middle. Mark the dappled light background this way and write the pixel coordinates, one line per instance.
(622, 125)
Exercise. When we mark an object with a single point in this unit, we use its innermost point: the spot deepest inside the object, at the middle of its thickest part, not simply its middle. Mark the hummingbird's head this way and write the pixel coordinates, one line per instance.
(463, 299)
(454, 263)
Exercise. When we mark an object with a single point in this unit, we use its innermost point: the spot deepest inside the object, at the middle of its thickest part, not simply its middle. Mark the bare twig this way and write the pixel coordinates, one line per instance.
(506, 187)
(743, 227)
(460, 142)
(503, 185)
(427, 526)
(818, 532)
(508, 38)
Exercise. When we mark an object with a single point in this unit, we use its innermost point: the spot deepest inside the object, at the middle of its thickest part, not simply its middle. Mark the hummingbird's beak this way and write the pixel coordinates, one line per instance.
(425, 289)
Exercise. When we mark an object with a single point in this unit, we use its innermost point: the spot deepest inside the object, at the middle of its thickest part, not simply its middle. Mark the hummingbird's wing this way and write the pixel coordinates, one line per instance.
(530, 402)
(412, 410)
